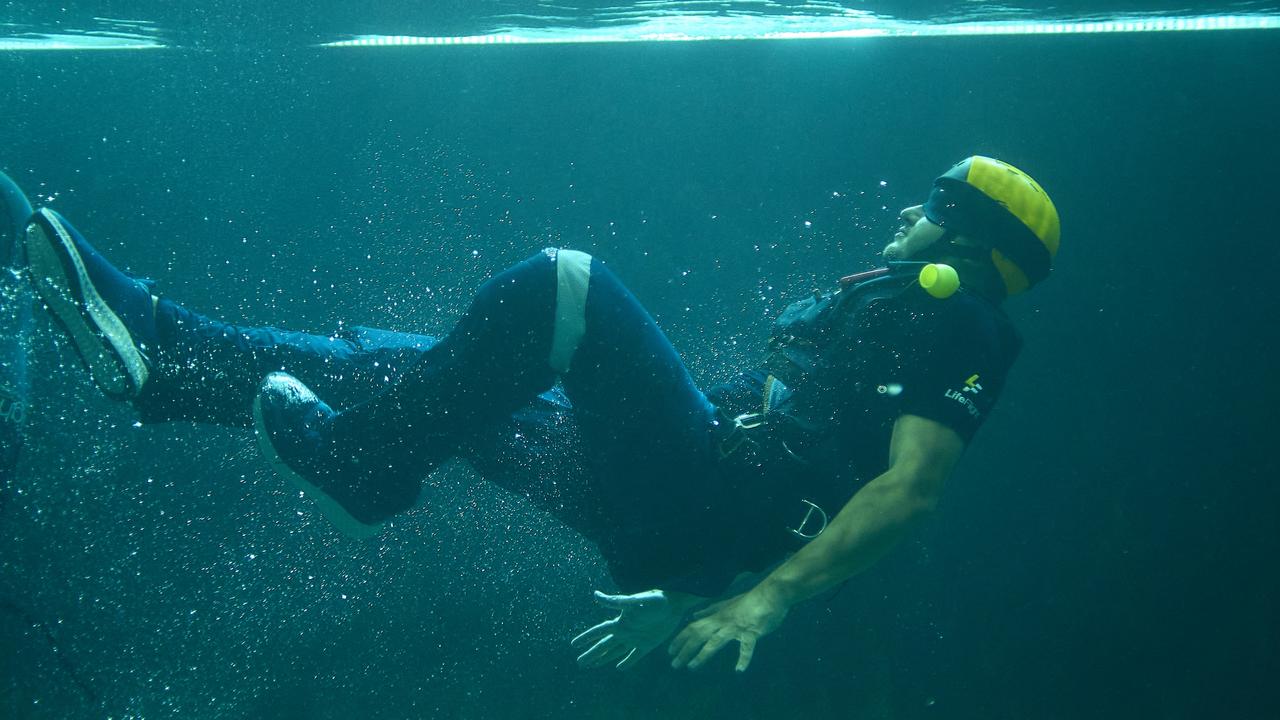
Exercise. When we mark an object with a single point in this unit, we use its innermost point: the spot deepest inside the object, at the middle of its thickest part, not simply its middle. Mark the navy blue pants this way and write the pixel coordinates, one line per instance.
(626, 429)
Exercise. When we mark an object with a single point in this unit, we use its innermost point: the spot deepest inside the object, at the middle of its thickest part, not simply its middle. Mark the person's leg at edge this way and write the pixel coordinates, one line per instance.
(15, 323)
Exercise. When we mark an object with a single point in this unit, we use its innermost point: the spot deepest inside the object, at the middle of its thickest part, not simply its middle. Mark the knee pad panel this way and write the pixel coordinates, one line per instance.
(573, 278)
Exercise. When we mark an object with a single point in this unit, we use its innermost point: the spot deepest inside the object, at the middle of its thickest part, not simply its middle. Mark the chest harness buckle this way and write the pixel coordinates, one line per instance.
(801, 530)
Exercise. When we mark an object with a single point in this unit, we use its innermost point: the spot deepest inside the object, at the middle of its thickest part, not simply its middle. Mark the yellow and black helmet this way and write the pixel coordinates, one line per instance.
(994, 202)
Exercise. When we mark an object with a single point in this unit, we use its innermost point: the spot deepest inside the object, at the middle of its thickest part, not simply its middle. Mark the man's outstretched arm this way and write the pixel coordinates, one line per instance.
(922, 454)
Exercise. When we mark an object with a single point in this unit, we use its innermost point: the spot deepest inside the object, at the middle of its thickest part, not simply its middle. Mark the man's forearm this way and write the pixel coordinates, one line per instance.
(872, 522)
(922, 454)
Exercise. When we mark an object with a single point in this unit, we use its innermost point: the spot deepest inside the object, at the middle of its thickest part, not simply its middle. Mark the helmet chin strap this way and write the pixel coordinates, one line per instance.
(984, 282)
(946, 246)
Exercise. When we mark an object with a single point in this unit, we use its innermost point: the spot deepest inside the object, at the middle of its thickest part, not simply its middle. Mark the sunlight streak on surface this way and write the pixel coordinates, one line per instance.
(686, 28)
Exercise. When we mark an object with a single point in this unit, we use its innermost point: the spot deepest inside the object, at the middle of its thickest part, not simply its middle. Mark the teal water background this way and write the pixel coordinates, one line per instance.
(1105, 550)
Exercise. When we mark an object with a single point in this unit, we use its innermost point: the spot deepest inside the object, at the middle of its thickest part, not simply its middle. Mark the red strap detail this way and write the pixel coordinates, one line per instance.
(855, 278)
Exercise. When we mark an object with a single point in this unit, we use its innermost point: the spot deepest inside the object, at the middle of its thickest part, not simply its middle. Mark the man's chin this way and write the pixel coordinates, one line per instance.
(894, 251)
(907, 247)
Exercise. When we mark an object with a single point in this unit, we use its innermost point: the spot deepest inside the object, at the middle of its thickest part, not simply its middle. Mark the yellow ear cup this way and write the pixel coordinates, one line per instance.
(939, 280)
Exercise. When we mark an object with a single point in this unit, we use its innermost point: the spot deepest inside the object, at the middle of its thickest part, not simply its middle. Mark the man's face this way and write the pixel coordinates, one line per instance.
(915, 234)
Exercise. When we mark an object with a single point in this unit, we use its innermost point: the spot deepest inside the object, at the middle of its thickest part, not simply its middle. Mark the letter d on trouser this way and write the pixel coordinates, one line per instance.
(15, 320)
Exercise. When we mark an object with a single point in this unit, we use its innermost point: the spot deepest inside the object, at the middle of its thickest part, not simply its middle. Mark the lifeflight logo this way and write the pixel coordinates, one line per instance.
(970, 386)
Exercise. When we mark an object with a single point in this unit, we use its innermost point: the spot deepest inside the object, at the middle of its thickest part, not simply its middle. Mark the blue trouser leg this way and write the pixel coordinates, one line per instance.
(483, 370)
(641, 424)
(490, 363)
(209, 371)
(645, 425)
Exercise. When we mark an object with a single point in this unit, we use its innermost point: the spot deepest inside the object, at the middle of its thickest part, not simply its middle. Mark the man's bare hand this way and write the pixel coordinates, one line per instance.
(745, 619)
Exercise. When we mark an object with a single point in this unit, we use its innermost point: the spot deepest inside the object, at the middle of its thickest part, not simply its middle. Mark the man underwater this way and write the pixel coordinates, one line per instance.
(809, 466)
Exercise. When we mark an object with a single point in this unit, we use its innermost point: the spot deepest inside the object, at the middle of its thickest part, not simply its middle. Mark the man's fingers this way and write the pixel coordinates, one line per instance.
(694, 640)
(594, 633)
(709, 650)
(746, 648)
(676, 647)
